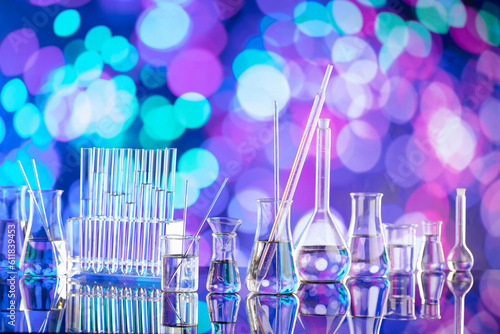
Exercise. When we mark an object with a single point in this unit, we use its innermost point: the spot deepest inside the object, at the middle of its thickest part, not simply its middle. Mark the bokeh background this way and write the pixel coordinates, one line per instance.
(414, 101)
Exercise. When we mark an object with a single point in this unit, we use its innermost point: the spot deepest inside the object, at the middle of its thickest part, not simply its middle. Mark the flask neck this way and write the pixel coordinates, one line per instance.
(460, 220)
(322, 203)
(224, 245)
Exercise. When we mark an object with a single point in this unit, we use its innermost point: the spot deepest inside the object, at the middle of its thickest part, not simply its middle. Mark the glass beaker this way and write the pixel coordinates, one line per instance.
(431, 253)
(322, 254)
(223, 311)
(271, 268)
(12, 226)
(430, 286)
(366, 241)
(224, 275)
(271, 313)
(368, 302)
(322, 307)
(179, 265)
(180, 312)
(401, 301)
(400, 241)
(44, 250)
(460, 257)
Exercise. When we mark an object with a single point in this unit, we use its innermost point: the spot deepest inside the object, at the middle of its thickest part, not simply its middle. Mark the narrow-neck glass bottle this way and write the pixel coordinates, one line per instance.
(322, 254)
(460, 257)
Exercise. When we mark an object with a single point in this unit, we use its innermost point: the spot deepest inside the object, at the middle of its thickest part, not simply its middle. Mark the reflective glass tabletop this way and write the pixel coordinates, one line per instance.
(420, 303)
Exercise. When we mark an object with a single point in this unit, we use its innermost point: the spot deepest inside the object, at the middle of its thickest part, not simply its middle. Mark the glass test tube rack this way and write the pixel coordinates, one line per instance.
(126, 204)
(100, 307)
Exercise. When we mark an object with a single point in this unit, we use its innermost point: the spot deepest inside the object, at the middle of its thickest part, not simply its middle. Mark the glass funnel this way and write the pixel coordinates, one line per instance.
(271, 268)
(431, 253)
(322, 254)
(224, 276)
(460, 257)
(366, 241)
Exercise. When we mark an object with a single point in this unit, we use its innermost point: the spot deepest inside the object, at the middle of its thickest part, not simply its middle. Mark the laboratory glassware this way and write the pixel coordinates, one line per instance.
(44, 302)
(223, 311)
(459, 284)
(401, 301)
(44, 249)
(400, 243)
(430, 286)
(180, 310)
(271, 313)
(12, 317)
(322, 254)
(460, 257)
(368, 302)
(279, 272)
(179, 264)
(224, 275)
(13, 226)
(431, 252)
(323, 306)
(366, 241)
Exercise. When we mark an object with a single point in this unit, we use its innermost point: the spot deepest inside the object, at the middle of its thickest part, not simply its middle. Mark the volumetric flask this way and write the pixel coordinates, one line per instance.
(460, 257)
(179, 263)
(224, 276)
(366, 241)
(271, 268)
(322, 254)
(400, 241)
(431, 253)
(45, 251)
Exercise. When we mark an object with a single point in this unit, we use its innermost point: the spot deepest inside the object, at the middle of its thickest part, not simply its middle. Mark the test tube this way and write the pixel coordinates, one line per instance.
(98, 166)
(86, 193)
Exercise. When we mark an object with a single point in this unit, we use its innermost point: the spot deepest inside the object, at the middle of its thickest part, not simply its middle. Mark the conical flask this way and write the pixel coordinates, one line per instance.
(322, 254)
(366, 241)
(460, 257)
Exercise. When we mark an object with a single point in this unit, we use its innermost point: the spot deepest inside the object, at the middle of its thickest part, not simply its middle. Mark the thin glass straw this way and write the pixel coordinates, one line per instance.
(276, 152)
(40, 193)
(185, 200)
(293, 179)
(198, 231)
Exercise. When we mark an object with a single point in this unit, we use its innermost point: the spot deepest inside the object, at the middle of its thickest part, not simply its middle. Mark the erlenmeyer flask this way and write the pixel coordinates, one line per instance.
(460, 257)
(431, 252)
(271, 313)
(271, 268)
(224, 275)
(223, 311)
(322, 254)
(323, 307)
(366, 241)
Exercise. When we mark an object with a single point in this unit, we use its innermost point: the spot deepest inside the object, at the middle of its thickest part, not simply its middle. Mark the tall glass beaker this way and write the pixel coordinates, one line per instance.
(271, 269)
(44, 250)
(322, 254)
(366, 242)
(224, 275)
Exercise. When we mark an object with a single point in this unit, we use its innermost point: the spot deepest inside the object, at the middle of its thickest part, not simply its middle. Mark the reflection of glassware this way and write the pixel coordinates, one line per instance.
(179, 263)
(44, 250)
(401, 301)
(460, 257)
(459, 284)
(271, 313)
(366, 242)
(430, 285)
(12, 318)
(278, 273)
(224, 275)
(323, 307)
(223, 311)
(431, 254)
(322, 254)
(400, 241)
(44, 302)
(368, 302)
(180, 312)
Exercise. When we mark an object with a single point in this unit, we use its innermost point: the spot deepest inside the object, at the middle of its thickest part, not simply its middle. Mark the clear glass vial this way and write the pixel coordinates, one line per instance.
(322, 254)
(460, 257)
(431, 253)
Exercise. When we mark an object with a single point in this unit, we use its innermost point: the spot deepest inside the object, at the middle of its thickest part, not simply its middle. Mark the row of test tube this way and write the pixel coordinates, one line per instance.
(126, 204)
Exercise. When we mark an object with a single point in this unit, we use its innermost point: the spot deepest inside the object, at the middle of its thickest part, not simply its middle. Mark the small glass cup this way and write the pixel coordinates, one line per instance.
(400, 241)
(179, 263)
